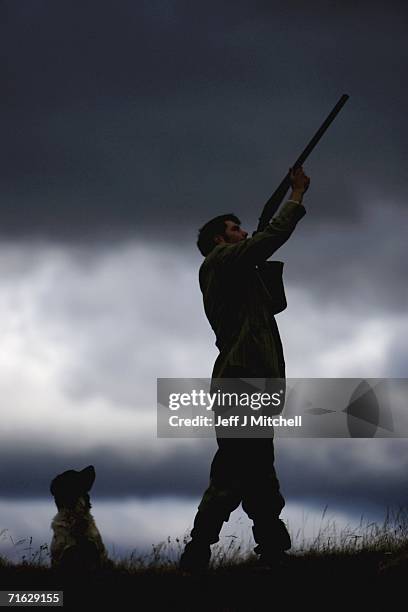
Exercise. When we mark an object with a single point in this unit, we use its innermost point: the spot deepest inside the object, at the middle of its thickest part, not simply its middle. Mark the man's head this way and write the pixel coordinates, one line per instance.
(224, 229)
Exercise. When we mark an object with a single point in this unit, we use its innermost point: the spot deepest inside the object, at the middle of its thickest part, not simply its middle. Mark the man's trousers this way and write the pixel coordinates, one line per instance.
(242, 471)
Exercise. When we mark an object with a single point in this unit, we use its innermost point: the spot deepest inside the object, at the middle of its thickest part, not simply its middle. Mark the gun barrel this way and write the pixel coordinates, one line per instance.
(326, 123)
(276, 198)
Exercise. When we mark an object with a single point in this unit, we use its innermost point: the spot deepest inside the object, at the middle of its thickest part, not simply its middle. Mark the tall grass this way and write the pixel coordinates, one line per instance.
(390, 537)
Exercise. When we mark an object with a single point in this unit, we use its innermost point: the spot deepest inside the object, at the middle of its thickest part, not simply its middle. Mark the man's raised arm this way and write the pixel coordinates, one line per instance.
(263, 244)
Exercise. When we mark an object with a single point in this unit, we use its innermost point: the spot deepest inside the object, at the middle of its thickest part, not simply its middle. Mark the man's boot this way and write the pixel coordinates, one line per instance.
(206, 530)
(196, 557)
(273, 540)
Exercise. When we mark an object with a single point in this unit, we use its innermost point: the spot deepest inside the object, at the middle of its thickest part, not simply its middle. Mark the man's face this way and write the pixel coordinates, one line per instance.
(233, 233)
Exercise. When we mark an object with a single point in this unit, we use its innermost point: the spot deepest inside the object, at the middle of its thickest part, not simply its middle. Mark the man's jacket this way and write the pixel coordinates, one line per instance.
(238, 305)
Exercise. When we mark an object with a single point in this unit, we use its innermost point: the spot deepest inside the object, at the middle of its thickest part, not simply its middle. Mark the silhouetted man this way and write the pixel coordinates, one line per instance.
(238, 306)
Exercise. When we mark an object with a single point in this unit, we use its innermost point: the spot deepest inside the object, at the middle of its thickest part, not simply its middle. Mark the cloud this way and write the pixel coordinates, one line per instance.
(354, 267)
(355, 476)
(85, 333)
(143, 113)
(148, 469)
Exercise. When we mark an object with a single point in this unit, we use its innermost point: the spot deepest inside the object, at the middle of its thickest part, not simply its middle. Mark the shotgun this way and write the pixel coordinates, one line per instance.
(276, 198)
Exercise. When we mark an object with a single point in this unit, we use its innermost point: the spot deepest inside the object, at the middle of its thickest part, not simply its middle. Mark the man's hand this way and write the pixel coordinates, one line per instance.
(300, 183)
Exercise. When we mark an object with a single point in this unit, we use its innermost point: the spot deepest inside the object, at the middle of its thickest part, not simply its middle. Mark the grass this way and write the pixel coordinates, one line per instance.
(387, 537)
(364, 558)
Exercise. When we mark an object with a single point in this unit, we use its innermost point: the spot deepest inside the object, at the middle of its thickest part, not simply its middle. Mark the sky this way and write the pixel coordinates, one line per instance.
(125, 127)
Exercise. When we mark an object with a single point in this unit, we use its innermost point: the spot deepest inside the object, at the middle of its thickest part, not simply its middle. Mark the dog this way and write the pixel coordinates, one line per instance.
(76, 544)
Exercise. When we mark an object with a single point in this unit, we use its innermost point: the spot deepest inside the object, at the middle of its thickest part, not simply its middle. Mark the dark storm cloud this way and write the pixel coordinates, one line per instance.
(347, 474)
(357, 475)
(115, 115)
(352, 266)
(29, 473)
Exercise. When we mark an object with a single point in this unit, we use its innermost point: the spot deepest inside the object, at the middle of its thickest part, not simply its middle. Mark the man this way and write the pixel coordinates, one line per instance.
(238, 306)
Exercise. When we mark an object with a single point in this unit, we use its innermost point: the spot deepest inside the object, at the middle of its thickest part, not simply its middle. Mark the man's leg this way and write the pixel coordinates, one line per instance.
(222, 497)
(263, 501)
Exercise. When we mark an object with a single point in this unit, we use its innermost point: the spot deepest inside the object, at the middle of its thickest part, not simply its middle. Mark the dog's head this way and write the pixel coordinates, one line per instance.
(68, 487)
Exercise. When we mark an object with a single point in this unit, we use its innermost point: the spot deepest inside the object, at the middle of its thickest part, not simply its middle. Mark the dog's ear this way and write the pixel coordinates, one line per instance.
(87, 476)
(53, 487)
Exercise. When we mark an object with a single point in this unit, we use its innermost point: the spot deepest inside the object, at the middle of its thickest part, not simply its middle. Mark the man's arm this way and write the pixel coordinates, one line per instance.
(263, 244)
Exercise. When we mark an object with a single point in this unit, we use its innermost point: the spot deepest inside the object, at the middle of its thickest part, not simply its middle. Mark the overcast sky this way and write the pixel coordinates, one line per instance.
(125, 126)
